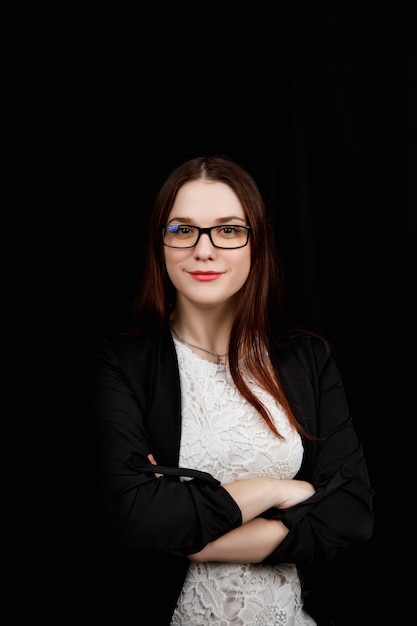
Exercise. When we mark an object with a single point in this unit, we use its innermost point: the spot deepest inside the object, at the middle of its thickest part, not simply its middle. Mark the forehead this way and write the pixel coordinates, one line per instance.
(206, 199)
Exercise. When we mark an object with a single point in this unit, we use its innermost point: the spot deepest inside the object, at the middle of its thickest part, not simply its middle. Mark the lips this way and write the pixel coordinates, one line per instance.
(205, 276)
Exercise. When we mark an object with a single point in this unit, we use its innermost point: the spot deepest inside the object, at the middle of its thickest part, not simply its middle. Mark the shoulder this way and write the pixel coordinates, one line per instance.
(306, 348)
(306, 363)
(140, 348)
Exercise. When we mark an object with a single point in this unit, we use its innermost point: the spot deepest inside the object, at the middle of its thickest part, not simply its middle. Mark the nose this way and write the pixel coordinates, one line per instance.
(204, 248)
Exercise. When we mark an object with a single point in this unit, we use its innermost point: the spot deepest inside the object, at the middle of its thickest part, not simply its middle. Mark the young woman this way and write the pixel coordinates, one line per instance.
(231, 480)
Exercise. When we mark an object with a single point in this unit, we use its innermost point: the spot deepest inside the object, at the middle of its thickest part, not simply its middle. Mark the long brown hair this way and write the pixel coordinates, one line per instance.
(262, 296)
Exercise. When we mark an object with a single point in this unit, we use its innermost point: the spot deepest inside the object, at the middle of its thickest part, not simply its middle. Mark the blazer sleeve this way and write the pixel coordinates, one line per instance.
(340, 513)
(179, 512)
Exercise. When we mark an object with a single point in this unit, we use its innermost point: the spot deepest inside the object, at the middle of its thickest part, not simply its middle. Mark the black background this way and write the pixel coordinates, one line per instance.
(315, 100)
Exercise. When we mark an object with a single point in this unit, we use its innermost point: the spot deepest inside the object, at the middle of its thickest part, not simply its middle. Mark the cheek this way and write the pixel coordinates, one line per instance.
(173, 261)
(243, 266)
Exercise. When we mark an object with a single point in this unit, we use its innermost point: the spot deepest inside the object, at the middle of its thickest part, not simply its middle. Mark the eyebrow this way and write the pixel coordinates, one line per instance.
(221, 220)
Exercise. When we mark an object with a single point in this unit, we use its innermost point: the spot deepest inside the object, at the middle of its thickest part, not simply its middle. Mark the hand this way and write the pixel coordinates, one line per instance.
(255, 495)
(152, 460)
(296, 491)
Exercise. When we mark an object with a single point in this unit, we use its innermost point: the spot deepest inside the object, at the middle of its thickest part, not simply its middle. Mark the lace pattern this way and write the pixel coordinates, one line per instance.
(224, 435)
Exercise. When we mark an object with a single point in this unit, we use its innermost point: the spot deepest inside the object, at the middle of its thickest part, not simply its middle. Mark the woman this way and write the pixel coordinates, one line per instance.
(231, 480)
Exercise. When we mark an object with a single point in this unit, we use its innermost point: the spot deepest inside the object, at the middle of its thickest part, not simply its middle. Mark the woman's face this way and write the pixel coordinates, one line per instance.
(205, 275)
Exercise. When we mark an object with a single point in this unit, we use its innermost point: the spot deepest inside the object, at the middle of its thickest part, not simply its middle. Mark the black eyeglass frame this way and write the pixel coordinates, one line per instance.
(207, 231)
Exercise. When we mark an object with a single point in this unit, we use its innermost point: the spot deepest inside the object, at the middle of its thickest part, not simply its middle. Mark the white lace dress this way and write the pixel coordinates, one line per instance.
(223, 435)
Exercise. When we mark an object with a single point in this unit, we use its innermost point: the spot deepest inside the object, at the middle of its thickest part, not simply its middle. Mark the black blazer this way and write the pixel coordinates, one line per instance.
(145, 527)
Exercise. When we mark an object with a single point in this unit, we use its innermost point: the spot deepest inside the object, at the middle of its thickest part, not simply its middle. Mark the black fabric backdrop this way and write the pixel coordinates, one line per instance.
(316, 100)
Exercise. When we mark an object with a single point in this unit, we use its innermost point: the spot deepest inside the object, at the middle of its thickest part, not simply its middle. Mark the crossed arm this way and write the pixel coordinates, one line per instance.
(257, 537)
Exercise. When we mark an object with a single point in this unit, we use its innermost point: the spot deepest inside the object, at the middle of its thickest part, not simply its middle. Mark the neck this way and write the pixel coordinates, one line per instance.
(218, 357)
(204, 331)
(208, 328)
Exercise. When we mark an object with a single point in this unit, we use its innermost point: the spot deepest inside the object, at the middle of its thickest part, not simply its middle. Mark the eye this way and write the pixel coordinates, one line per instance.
(181, 230)
(185, 230)
(230, 231)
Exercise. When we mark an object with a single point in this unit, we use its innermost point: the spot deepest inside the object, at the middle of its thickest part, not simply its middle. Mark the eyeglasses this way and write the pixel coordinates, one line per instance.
(227, 236)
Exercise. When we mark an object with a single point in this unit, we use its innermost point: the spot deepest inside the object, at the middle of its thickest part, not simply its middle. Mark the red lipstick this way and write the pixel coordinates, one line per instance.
(204, 276)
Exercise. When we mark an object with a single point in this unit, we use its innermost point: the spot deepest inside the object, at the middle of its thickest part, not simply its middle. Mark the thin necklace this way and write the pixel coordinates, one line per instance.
(218, 357)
